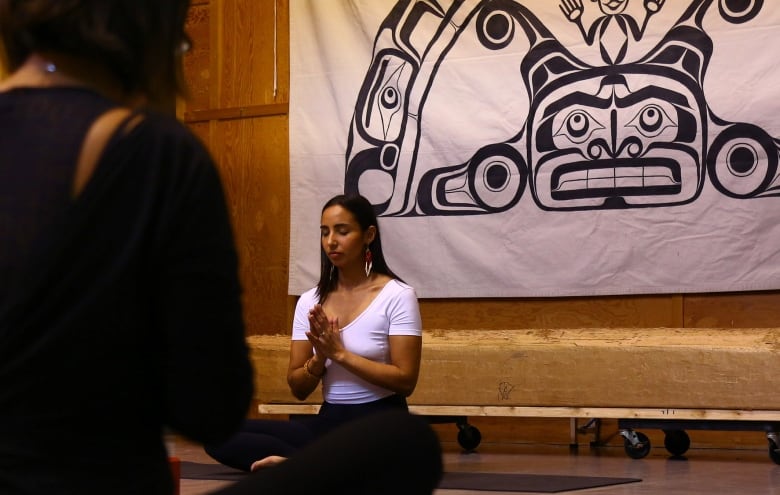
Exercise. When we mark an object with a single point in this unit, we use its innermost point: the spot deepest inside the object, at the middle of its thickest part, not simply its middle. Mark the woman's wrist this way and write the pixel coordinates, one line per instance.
(339, 357)
(311, 370)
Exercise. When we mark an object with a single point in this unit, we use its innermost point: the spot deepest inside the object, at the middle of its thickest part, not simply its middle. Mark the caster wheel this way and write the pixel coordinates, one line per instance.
(676, 442)
(639, 448)
(774, 452)
(469, 437)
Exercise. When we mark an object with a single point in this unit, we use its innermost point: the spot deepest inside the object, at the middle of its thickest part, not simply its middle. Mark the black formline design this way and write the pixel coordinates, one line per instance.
(628, 132)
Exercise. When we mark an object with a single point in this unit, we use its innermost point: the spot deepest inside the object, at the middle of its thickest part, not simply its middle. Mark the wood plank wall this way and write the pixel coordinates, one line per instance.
(239, 76)
(239, 109)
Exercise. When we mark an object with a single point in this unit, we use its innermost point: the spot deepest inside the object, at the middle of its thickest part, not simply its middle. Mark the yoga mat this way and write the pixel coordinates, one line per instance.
(538, 483)
(497, 482)
(205, 471)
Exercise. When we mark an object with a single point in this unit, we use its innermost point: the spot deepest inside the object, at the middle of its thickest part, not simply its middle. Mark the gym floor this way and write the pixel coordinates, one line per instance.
(699, 471)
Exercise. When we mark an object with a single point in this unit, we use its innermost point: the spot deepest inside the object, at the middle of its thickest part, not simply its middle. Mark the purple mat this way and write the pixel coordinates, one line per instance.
(538, 483)
(495, 482)
(204, 471)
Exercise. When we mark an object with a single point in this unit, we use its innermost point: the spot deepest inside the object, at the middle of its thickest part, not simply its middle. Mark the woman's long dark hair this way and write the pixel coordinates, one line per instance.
(365, 215)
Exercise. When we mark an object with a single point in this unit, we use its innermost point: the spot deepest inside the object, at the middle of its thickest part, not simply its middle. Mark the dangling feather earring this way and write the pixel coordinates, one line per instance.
(369, 261)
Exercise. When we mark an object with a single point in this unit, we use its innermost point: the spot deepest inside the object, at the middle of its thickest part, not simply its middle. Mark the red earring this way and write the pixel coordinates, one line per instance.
(369, 258)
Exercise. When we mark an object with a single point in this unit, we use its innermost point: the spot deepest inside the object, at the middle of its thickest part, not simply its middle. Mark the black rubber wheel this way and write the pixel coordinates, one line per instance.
(639, 450)
(774, 452)
(677, 442)
(469, 437)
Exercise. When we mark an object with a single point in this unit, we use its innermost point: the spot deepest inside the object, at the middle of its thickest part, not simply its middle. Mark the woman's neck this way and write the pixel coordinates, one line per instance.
(354, 279)
(60, 70)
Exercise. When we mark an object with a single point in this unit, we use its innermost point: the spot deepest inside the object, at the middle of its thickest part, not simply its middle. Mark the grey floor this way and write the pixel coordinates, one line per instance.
(701, 471)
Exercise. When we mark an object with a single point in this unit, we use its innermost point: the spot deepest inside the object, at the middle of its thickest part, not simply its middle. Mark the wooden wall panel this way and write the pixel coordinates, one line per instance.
(239, 87)
(573, 312)
(254, 41)
(252, 157)
(197, 64)
(733, 310)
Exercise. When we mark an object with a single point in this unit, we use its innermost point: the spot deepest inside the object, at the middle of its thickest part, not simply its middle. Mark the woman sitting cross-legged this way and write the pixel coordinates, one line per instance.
(358, 332)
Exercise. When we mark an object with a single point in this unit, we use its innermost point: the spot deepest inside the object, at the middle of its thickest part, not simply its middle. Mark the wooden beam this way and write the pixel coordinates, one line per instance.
(236, 113)
(558, 412)
(505, 372)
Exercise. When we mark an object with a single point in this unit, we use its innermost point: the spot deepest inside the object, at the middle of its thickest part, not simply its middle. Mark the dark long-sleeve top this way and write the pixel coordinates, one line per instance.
(120, 310)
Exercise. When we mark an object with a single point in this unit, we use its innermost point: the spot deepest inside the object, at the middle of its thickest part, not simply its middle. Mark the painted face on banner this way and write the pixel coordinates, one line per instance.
(612, 7)
(615, 140)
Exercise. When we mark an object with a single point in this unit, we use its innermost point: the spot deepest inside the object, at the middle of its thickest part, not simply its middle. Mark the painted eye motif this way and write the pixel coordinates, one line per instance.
(578, 126)
(651, 121)
(390, 97)
(384, 109)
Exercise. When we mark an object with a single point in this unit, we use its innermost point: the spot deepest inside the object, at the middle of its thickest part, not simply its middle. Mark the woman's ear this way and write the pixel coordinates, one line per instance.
(369, 235)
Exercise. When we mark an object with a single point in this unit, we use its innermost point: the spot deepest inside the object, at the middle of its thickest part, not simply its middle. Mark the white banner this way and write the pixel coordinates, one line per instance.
(543, 148)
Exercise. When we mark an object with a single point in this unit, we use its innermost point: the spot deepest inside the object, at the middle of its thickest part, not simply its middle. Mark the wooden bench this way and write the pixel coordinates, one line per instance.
(666, 378)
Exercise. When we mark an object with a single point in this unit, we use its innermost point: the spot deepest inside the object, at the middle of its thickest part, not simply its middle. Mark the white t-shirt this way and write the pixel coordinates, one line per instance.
(394, 311)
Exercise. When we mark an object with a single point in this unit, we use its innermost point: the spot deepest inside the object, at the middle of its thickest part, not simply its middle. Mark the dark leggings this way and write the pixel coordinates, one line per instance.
(387, 453)
(259, 438)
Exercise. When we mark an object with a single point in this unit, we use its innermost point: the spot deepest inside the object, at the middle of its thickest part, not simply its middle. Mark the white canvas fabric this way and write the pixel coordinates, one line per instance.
(543, 149)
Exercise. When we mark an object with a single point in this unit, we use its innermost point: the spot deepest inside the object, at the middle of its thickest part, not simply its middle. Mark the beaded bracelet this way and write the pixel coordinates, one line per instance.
(308, 371)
